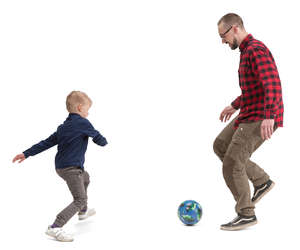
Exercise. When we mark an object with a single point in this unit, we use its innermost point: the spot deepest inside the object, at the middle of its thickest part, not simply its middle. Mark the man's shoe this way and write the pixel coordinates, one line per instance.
(261, 191)
(240, 222)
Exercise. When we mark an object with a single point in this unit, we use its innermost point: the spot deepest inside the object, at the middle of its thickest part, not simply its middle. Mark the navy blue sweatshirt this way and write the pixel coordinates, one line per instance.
(72, 140)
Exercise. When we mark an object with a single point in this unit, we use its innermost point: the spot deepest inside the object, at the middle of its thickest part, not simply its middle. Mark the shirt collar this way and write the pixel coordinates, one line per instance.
(73, 114)
(245, 42)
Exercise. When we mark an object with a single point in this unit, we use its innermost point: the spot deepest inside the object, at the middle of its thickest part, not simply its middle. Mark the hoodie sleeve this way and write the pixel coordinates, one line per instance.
(41, 146)
(88, 129)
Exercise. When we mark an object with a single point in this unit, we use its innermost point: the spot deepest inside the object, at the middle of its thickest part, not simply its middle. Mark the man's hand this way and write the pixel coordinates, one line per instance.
(227, 113)
(19, 157)
(267, 129)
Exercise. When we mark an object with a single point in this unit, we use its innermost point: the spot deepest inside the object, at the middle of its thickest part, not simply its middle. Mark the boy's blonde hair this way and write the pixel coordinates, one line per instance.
(75, 98)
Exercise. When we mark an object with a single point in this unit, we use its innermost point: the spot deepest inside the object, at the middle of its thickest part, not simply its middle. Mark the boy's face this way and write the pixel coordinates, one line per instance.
(83, 109)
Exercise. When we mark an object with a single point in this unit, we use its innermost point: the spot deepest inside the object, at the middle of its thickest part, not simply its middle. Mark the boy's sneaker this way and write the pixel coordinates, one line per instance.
(261, 191)
(240, 222)
(58, 234)
(84, 215)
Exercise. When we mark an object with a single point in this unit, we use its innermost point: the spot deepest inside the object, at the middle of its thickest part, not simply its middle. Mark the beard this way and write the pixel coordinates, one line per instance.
(234, 45)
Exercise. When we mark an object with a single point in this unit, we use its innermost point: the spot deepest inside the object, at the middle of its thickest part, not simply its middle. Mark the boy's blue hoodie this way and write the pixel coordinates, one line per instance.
(72, 140)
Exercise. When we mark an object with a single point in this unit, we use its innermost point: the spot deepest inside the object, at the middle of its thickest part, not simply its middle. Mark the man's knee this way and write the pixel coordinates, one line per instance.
(220, 148)
(233, 167)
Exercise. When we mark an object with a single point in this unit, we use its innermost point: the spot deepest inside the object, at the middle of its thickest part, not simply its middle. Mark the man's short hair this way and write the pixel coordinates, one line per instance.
(232, 19)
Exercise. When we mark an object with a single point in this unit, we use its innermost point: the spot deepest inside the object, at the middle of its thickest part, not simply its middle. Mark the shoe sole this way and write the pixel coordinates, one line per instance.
(264, 193)
(239, 227)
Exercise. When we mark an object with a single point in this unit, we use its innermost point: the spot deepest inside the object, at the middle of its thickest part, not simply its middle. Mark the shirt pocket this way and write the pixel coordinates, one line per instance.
(244, 72)
(246, 77)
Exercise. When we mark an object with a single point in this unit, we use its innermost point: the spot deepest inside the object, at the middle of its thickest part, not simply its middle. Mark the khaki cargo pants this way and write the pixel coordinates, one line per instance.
(234, 147)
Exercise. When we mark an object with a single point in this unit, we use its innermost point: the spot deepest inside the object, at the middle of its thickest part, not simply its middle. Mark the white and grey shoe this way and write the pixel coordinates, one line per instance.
(240, 222)
(84, 215)
(58, 234)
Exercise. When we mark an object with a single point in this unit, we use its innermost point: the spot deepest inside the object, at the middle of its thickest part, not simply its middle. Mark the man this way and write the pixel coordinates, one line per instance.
(261, 113)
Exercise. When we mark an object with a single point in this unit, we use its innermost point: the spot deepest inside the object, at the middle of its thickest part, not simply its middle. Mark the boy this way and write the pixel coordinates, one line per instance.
(72, 139)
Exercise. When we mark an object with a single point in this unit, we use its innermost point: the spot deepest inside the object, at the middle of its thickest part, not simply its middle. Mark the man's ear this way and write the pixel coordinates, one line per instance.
(235, 28)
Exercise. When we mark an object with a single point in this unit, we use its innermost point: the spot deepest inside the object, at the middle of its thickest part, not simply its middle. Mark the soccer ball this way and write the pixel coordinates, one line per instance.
(190, 212)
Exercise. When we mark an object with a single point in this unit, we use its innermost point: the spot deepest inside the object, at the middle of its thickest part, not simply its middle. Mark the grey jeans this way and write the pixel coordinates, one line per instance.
(234, 147)
(77, 180)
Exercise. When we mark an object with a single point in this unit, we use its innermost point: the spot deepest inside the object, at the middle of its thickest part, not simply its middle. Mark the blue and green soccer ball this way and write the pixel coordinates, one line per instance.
(190, 212)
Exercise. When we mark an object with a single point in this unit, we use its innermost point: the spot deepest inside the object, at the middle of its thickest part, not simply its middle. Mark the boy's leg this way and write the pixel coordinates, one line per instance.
(86, 212)
(75, 181)
(86, 181)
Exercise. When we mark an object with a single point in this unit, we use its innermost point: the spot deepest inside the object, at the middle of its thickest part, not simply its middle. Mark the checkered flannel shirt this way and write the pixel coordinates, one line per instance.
(259, 81)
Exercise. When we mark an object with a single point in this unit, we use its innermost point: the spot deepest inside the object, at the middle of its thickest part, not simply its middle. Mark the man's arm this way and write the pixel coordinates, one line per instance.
(263, 64)
(236, 103)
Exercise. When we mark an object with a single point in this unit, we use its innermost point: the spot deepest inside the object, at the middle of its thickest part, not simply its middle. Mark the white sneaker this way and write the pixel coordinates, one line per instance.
(88, 213)
(58, 234)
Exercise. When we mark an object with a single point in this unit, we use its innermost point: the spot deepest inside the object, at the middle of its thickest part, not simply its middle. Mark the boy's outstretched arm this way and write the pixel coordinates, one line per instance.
(37, 148)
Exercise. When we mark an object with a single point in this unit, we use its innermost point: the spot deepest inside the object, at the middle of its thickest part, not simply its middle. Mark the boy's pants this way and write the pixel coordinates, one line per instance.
(77, 180)
(234, 148)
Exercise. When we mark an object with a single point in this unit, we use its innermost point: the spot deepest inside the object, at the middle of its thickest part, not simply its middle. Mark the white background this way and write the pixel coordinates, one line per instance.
(159, 77)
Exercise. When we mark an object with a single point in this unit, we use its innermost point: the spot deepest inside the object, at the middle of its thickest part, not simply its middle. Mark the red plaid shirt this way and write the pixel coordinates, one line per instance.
(259, 80)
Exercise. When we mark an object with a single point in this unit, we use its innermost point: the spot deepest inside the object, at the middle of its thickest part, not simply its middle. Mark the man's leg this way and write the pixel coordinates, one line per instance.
(245, 141)
(255, 174)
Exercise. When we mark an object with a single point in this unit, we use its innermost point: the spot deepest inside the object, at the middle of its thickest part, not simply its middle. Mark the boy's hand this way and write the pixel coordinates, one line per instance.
(19, 157)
